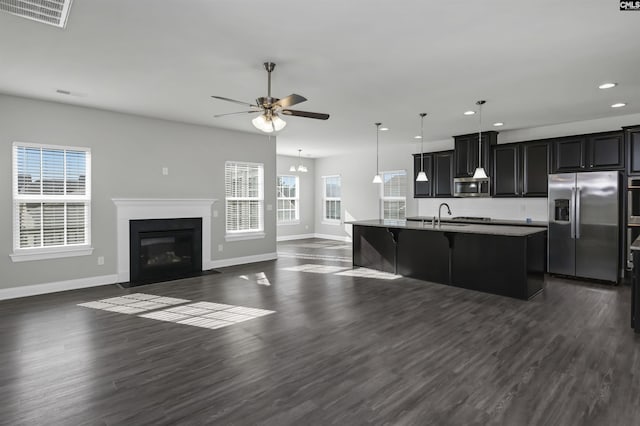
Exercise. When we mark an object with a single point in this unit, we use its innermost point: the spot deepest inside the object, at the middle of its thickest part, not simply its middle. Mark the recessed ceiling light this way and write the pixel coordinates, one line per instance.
(498, 124)
(417, 137)
(469, 112)
(384, 129)
(607, 85)
(618, 105)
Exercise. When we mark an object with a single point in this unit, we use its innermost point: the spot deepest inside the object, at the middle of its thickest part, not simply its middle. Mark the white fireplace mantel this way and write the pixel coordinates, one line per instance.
(154, 208)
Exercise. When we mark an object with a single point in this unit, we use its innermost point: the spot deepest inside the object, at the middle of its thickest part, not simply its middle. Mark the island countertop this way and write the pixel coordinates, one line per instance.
(463, 228)
(534, 223)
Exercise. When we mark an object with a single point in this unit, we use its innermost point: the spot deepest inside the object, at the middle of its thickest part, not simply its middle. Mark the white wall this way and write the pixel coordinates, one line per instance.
(128, 153)
(306, 226)
(360, 198)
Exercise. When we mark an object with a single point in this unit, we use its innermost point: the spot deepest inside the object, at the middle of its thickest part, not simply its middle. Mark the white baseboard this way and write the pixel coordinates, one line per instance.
(295, 237)
(240, 260)
(345, 239)
(54, 287)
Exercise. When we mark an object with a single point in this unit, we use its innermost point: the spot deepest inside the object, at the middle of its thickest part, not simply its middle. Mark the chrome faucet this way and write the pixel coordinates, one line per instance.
(440, 211)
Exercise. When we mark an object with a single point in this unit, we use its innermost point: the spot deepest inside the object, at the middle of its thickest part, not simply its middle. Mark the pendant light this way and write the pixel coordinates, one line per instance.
(377, 178)
(422, 176)
(480, 172)
(301, 167)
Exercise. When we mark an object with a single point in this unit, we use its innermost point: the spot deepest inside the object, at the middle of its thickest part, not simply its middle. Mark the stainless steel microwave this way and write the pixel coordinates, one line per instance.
(471, 187)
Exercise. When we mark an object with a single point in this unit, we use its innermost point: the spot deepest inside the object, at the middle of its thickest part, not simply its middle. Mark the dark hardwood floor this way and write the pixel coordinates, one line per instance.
(340, 349)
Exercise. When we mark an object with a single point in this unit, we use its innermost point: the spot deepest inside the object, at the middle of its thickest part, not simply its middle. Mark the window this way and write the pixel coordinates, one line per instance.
(332, 199)
(51, 201)
(288, 195)
(394, 194)
(244, 190)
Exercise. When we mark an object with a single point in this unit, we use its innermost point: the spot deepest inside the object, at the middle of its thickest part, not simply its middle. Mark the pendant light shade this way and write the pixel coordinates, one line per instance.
(480, 173)
(422, 176)
(301, 167)
(377, 178)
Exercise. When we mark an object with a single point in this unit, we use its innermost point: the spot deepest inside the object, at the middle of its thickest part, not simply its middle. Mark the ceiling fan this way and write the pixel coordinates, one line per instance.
(270, 108)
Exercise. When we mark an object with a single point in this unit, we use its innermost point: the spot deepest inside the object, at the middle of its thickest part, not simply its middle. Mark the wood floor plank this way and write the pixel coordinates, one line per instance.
(339, 349)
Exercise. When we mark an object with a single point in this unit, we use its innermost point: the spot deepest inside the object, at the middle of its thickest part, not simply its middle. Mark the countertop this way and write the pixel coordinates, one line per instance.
(635, 245)
(463, 228)
(483, 222)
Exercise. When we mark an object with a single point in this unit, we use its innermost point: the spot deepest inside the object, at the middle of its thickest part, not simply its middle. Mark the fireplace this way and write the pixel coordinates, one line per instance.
(164, 249)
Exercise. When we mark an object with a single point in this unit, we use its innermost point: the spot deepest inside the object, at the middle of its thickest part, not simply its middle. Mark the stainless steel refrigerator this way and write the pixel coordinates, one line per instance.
(584, 220)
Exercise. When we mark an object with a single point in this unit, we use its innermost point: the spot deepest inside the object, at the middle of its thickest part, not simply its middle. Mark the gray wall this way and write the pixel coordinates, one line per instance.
(307, 196)
(128, 153)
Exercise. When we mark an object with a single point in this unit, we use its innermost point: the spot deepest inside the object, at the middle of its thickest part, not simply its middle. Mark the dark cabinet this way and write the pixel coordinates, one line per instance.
(606, 151)
(505, 173)
(422, 189)
(535, 168)
(598, 151)
(569, 154)
(632, 137)
(466, 152)
(443, 174)
(520, 169)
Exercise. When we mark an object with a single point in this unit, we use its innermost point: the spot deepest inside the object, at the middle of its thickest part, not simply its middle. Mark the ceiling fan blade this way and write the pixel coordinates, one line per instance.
(290, 100)
(235, 102)
(239, 112)
(316, 115)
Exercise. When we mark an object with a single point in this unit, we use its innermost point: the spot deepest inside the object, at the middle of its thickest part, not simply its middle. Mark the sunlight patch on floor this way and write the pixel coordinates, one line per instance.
(199, 314)
(344, 259)
(369, 273)
(316, 269)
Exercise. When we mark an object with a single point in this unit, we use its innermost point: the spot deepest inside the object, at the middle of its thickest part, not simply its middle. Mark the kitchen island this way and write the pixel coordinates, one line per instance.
(504, 260)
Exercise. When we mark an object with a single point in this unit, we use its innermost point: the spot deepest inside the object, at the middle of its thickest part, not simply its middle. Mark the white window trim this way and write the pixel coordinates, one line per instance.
(325, 220)
(252, 234)
(52, 252)
(295, 221)
(383, 198)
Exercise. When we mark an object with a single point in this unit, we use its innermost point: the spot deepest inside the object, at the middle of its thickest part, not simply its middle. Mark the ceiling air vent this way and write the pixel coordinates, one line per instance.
(52, 12)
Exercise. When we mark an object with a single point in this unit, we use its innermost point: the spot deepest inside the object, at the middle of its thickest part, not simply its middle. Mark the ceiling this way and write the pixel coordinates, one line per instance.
(536, 63)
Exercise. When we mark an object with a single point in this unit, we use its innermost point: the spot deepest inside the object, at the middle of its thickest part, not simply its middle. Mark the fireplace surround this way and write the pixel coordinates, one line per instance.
(128, 209)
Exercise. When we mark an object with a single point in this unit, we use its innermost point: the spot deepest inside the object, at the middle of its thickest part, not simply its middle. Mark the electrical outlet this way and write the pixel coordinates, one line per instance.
(100, 260)
(165, 171)
(220, 247)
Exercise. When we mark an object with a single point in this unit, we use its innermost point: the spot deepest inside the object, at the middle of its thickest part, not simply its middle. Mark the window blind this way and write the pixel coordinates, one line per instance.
(51, 196)
(288, 195)
(332, 200)
(244, 191)
(394, 194)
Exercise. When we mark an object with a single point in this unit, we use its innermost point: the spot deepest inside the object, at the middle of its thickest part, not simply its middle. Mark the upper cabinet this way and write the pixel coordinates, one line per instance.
(520, 169)
(505, 173)
(466, 152)
(599, 151)
(443, 174)
(632, 136)
(536, 162)
(423, 189)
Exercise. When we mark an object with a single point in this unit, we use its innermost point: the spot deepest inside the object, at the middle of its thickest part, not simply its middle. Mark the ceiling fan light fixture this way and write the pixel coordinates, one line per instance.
(278, 122)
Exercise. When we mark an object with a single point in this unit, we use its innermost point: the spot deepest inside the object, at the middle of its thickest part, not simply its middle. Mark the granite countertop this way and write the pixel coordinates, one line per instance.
(463, 228)
(635, 245)
(483, 222)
